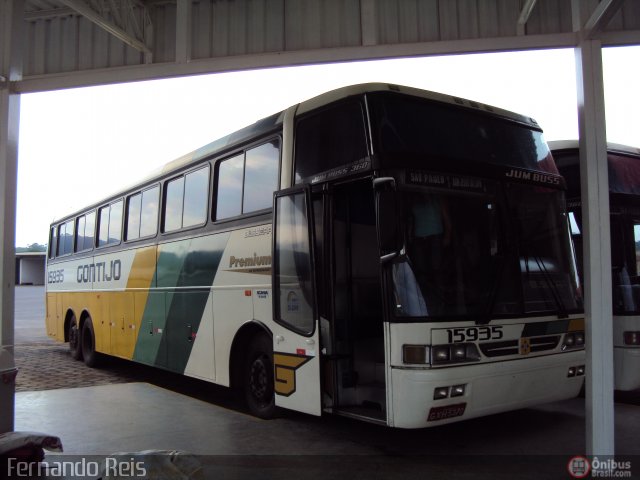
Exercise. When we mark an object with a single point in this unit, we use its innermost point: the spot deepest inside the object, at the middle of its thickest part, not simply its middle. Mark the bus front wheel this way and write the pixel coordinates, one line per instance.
(258, 378)
(75, 347)
(89, 354)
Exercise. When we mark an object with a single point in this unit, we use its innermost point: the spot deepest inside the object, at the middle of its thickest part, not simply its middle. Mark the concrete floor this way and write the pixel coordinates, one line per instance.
(131, 417)
(29, 315)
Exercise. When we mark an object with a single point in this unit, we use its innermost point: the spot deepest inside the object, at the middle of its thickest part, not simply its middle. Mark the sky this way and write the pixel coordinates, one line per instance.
(80, 145)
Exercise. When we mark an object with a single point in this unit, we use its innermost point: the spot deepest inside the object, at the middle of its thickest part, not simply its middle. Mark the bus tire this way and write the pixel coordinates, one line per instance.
(75, 345)
(90, 356)
(258, 378)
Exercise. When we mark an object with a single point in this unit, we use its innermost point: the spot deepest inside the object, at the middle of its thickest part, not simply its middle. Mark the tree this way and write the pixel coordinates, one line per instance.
(34, 247)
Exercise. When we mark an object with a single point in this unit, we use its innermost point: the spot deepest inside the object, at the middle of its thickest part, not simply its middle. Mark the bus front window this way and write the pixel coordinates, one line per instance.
(547, 265)
(451, 242)
(495, 251)
(625, 263)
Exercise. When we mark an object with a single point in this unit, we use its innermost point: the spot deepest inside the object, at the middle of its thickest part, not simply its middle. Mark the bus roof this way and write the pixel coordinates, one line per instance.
(270, 123)
(623, 166)
(359, 89)
(273, 122)
(558, 145)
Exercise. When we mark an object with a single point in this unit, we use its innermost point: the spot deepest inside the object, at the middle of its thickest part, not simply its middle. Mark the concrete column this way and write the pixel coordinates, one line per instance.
(597, 249)
(11, 21)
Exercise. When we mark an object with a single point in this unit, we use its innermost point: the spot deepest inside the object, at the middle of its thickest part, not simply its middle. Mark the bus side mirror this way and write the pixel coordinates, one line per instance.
(387, 218)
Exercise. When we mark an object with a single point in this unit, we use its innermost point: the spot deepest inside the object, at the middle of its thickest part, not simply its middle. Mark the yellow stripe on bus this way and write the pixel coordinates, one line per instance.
(576, 325)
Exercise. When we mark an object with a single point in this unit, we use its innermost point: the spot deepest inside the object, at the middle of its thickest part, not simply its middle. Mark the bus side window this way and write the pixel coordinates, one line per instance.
(115, 222)
(196, 188)
(80, 225)
(149, 212)
(65, 238)
(53, 242)
(260, 176)
(110, 224)
(229, 199)
(186, 200)
(636, 243)
(134, 205)
(90, 231)
(246, 182)
(85, 226)
(103, 226)
(142, 214)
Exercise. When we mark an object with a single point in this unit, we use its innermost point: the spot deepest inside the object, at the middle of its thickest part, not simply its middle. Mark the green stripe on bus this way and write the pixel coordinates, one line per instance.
(185, 271)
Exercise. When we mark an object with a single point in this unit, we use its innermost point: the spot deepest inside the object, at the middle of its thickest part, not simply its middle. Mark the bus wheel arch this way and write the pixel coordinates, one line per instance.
(252, 368)
(239, 347)
(72, 334)
(90, 355)
(67, 321)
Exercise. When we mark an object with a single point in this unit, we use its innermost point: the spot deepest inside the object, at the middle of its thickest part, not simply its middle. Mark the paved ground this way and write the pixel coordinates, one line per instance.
(29, 315)
(44, 364)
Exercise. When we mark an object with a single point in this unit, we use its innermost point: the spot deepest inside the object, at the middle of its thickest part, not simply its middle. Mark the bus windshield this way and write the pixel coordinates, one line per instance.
(490, 250)
(625, 254)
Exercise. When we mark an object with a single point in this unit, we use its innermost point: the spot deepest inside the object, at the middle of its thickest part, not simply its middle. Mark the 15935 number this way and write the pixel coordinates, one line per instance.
(473, 334)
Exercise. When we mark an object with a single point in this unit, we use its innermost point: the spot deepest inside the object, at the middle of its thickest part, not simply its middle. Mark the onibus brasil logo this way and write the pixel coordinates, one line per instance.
(581, 467)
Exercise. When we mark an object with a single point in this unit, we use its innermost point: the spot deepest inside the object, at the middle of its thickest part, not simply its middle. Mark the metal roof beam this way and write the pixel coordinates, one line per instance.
(133, 73)
(600, 17)
(90, 14)
(50, 13)
(525, 13)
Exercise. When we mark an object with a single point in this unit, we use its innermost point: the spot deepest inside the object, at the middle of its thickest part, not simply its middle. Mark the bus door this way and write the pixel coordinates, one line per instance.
(355, 351)
(296, 344)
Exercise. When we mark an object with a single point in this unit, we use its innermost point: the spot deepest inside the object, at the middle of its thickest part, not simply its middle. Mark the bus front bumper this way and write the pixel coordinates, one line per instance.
(488, 389)
(627, 368)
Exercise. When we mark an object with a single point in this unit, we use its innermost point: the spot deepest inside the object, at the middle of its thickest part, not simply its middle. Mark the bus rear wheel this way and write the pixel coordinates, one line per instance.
(75, 347)
(90, 356)
(258, 378)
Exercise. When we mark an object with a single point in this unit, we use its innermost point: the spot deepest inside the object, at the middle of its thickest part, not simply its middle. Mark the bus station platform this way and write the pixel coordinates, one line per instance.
(229, 443)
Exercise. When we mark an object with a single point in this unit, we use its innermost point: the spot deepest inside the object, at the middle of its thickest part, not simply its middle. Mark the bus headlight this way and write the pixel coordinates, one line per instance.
(454, 353)
(632, 338)
(458, 390)
(458, 352)
(415, 354)
(440, 392)
(440, 354)
(573, 340)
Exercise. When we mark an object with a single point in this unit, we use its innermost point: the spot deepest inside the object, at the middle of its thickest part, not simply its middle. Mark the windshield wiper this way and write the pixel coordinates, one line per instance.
(553, 287)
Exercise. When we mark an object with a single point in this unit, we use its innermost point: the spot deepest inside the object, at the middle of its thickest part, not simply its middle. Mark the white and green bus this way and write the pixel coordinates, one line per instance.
(624, 202)
(380, 252)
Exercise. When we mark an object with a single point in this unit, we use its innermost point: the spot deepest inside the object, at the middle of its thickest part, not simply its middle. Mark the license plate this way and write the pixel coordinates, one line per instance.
(448, 411)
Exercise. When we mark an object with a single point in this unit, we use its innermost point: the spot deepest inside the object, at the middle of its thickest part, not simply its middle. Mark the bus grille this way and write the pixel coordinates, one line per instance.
(511, 347)
(542, 344)
(499, 349)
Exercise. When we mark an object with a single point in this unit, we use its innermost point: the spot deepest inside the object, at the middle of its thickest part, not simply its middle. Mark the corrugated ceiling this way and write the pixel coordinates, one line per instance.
(232, 34)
